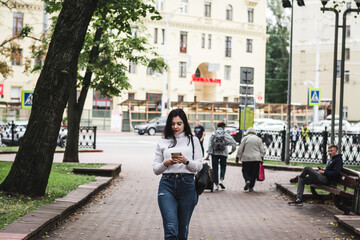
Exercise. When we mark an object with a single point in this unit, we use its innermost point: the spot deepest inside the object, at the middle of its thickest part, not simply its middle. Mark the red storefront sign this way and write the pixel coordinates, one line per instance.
(1, 89)
(205, 80)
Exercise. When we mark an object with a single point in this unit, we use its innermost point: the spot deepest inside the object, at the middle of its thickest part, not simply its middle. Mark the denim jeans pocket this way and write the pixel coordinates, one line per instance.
(187, 180)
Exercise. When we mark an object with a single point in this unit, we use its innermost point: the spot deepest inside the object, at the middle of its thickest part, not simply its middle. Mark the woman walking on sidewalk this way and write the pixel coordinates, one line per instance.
(251, 153)
(178, 157)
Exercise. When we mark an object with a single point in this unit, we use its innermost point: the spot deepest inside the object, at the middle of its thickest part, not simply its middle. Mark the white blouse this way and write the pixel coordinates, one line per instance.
(183, 145)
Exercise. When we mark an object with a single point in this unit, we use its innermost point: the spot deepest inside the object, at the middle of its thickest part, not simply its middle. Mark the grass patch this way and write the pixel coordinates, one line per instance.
(9, 148)
(300, 164)
(61, 182)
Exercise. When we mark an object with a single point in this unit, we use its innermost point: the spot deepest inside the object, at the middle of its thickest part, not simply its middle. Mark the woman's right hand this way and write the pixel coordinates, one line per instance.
(169, 162)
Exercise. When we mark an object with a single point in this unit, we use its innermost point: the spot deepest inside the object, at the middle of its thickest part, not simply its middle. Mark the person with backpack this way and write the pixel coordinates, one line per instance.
(219, 140)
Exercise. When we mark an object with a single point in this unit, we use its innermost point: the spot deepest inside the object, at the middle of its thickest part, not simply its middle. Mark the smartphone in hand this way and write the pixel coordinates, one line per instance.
(175, 154)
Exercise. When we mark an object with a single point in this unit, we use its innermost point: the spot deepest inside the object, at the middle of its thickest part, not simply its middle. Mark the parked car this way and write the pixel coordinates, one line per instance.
(259, 121)
(153, 126)
(272, 125)
(355, 128)
(231, 128)
(320, 126)
(17, 130)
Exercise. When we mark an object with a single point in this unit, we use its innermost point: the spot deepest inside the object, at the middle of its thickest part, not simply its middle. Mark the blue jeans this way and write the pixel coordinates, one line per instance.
(177, 199)
(215, 159)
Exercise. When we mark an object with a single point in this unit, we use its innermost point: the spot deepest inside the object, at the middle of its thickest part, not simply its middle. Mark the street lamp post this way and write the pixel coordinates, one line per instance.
(342, 70)
(287, 4)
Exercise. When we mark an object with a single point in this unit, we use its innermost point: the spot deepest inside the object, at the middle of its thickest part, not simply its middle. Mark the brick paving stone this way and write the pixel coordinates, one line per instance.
(128, 210)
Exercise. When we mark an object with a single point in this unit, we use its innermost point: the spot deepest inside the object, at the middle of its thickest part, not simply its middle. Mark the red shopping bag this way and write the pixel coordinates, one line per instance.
(261, 176)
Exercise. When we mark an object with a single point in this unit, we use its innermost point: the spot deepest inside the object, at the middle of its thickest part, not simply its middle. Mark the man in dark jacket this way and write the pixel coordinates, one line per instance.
(320, 176)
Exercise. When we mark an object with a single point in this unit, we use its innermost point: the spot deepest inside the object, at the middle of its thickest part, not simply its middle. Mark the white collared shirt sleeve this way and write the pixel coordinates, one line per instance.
(158, 165)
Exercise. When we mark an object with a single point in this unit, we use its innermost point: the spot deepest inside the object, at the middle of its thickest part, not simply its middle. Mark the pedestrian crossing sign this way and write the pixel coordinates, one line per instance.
(27, 98)
(314, 96)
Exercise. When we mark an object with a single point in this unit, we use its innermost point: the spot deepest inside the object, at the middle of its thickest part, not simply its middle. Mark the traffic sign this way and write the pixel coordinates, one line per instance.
(314, 96)
(27, 98)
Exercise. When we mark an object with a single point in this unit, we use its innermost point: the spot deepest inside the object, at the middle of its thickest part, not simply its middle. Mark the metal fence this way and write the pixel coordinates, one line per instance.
(314, 150)
(11, 135)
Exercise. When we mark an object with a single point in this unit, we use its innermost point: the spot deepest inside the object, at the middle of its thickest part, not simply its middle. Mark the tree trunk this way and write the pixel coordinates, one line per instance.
(75, 109)
(30, 171)
(72, 142)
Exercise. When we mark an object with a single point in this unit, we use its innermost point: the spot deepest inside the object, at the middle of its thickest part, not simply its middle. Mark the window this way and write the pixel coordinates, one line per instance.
(132, 67)
(184, 6)
(207, 9)
(101, 102)
(345, 112)
(15, 94)
(183, 42)
(153, 96)
(227, 72)
(162, 36)
(302, 56)
(149, 71)
(348, 5)
(134, 32)
(348, 32)
(18, 21)
(160, 5)
(131, 96)
(226, 99)
(347, 53)
(180, 98)
(249, 45)
(182, 69)
(250, 15)
(236, 99)
(347, 76)
(228, 47)
(155, 35)
(16, 57)
(203, 40)
(209, 41)
(229, 12)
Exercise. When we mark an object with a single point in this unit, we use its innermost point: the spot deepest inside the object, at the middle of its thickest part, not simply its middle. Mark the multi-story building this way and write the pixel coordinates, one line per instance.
(208, 46)
(313, 54)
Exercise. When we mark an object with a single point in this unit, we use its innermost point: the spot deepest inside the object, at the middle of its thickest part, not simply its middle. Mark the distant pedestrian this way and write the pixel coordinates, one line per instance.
(327, 176)
(177, 158)
(294, 136)
(305, 136)
(219, 140)
(251, 153)
(200, 134)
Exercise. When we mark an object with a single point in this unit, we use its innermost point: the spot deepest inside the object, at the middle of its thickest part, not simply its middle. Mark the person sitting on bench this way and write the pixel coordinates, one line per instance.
(320, 176)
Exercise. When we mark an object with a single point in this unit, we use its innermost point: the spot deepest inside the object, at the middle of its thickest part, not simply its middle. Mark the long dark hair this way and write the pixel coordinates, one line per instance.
(168, 132)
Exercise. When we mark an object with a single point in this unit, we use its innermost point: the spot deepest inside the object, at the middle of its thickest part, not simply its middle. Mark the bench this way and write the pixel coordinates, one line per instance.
(339, 193)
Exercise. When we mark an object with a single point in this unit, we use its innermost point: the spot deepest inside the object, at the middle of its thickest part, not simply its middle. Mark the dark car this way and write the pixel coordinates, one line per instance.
(237, 135)
(153, 126)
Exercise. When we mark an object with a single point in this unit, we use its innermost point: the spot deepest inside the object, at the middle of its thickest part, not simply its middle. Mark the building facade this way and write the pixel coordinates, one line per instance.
(313, 54)
(208, 46)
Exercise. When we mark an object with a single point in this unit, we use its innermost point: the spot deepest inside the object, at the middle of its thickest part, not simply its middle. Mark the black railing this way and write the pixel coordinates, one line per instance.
(313, 150)
(11, 135)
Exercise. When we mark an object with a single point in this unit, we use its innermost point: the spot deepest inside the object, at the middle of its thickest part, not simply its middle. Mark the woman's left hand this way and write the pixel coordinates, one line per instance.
(180, 159)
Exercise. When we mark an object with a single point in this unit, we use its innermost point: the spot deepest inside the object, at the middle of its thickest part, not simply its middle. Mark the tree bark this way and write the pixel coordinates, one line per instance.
(75, 109)
(30, 171)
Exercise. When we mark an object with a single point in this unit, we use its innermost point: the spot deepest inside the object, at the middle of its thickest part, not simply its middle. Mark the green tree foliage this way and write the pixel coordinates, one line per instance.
(277, 55)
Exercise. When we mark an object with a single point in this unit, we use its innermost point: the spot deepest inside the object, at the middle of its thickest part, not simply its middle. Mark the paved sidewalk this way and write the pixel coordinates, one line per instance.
(128, 210)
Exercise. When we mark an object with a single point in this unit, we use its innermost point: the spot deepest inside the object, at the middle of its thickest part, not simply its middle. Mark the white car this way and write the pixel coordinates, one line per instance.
(320, 126)
(355, 128)
(273, 125)
(259, 121)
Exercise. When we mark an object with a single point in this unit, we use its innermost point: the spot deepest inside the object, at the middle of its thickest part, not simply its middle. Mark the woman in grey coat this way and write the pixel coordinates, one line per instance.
(251, 153)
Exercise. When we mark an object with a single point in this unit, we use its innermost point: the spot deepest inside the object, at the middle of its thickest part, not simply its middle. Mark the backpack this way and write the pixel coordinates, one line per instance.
(219, 143)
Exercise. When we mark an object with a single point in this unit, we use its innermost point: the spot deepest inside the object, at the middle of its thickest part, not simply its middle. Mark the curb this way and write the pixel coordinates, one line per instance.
(349, 222)
(36, 223)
